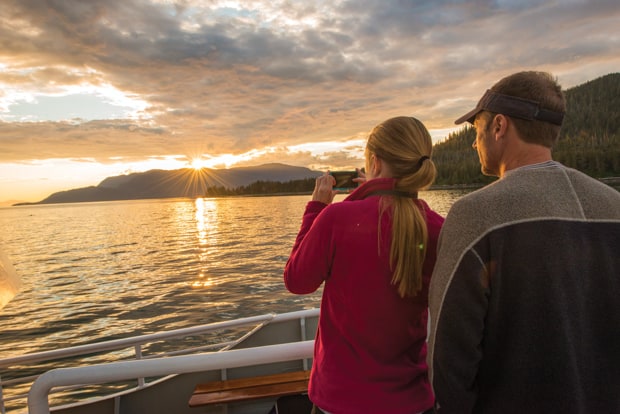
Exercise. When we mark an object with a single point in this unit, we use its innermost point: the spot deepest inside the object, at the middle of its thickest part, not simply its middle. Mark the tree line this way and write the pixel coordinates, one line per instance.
(264, 187)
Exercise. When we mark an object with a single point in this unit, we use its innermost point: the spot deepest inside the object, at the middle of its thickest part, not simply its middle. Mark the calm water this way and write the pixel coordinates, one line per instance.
(115, 269)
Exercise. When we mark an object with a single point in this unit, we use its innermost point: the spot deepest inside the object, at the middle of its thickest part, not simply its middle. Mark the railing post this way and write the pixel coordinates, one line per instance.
(138, 349)
(302, 322)
(2, 409)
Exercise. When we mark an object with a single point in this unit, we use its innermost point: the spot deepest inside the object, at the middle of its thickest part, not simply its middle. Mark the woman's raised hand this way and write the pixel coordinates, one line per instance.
(324, 189)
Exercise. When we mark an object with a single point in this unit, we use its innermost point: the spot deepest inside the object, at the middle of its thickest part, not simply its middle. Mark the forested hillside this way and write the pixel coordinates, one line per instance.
(589, 141)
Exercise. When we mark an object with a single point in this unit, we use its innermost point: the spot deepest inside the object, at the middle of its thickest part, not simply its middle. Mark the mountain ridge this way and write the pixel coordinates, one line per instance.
(183, 182)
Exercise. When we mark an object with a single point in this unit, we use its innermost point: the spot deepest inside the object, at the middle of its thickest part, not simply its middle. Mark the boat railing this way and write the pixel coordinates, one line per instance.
(118, 371)
(138, 344)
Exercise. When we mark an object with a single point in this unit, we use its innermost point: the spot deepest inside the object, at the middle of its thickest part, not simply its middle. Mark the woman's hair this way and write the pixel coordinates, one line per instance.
(406, 146)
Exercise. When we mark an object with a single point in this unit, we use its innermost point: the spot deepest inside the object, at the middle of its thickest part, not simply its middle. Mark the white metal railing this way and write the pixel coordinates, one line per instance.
(119, 371)
(116, 344)
(138, 343)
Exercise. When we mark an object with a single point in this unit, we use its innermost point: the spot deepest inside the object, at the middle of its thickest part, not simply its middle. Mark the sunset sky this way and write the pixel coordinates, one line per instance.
(98, 88)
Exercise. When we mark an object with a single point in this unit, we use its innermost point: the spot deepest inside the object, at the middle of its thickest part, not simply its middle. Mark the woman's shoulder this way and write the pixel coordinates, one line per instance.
(431, 214)
(352, 205)
(350, 208)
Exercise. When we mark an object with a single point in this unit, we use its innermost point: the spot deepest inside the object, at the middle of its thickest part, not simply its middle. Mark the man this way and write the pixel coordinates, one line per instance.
(525, 295)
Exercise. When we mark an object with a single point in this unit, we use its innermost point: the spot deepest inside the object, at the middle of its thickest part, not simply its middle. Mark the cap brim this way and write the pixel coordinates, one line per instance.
(469, 116)
(513, 106)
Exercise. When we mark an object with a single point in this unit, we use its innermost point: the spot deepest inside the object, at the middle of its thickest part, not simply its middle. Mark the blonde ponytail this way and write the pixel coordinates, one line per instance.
(405, 144)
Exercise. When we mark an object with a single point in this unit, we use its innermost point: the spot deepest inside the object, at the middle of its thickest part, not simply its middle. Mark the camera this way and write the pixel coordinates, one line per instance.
(344, 180)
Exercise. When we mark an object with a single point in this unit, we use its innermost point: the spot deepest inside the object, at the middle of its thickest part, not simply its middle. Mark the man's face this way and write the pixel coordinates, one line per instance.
(486, 145)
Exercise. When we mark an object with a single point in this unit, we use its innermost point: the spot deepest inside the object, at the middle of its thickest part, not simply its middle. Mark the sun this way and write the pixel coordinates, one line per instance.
(227, 160)
(219, 161)
(197, 163)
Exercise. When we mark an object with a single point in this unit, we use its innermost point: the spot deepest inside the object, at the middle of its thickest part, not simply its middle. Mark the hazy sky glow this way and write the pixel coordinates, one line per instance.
(97, 88)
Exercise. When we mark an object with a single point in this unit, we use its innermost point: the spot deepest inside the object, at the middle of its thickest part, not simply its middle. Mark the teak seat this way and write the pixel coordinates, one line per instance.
(242, 389)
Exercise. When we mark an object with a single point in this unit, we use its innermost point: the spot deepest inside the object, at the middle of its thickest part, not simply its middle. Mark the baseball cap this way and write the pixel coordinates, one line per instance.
(512, 106)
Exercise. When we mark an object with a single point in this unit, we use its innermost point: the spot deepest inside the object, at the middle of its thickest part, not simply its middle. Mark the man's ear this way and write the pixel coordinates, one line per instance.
(500, 125)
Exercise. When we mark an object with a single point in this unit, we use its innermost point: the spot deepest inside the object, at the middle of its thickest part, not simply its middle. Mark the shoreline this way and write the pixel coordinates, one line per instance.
(613, 182)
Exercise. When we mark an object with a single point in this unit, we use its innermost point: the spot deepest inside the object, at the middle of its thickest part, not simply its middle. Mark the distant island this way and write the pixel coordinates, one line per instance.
(189, 182)
(589, 142)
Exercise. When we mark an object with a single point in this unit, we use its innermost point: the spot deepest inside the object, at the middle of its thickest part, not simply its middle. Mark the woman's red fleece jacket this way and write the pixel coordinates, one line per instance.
(370, 348)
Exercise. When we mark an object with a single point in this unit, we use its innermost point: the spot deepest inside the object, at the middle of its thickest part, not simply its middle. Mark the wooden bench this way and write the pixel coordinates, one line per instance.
(242, 389)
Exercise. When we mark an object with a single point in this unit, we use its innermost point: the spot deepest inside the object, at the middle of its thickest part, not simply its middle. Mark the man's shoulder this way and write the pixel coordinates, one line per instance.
(481, 197)
(598, 198)
(472, 214)
(595, 184)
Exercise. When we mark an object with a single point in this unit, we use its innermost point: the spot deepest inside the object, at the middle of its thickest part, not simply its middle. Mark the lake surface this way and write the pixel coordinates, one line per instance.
(115, 269)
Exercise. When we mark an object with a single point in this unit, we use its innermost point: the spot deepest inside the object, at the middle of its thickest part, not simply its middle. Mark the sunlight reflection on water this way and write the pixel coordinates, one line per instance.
(115, 269)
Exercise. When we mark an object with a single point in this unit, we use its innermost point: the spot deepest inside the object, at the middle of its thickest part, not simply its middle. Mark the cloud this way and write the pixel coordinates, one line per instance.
(230, 77)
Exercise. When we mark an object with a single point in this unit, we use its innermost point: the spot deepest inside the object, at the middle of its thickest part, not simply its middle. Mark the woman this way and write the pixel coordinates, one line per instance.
(375, 252)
